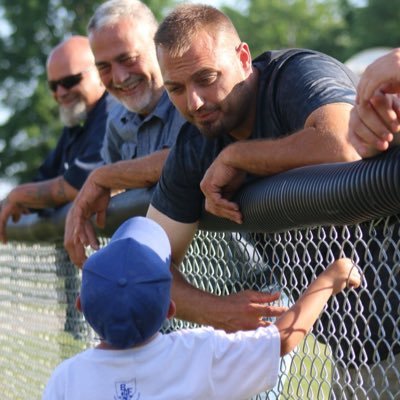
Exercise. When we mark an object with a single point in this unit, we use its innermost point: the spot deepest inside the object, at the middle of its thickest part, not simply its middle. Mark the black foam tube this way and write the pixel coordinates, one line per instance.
(326, 194)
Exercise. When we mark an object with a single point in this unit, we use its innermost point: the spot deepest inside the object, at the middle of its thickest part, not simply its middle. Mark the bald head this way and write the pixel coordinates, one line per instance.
(74, 58)
(74, 54)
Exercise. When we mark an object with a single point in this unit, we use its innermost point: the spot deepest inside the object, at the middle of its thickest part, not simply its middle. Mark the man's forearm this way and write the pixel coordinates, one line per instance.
(37, 195)
(268, 157)
(130, 174)
(191, 303)
(324, 139)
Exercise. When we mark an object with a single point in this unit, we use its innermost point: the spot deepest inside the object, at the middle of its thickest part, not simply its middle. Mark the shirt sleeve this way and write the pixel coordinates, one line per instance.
(54, 389)
(253, 353)
(110, 150)
(173, 129)
(308, 81)
(177, 194)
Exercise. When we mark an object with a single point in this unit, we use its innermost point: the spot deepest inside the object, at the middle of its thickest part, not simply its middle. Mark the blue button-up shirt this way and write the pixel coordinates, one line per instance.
(130, 135)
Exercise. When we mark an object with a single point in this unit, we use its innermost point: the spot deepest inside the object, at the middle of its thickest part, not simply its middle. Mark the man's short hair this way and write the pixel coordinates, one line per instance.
(176, 32)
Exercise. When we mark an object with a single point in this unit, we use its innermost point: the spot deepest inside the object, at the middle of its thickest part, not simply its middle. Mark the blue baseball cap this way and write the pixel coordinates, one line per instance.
(125, 291)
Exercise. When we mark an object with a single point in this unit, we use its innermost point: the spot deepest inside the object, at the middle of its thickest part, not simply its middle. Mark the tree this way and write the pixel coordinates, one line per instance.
(277, 24)
(376, 24)
(36, 26)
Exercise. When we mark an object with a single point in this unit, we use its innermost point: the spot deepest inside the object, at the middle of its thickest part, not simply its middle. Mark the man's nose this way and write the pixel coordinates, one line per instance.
(119, 74)
(194, 100)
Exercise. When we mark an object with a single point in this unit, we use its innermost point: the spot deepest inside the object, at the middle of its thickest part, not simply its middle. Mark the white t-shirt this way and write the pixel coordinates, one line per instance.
(190, 364)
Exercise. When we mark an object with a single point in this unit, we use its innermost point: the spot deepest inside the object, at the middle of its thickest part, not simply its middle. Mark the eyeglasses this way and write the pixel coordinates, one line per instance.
(67, 82)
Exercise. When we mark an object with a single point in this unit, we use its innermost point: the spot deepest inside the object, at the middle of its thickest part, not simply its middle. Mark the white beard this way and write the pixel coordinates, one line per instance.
(73, 115)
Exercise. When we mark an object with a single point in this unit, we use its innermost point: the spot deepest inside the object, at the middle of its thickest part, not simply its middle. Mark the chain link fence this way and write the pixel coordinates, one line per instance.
(353, 352)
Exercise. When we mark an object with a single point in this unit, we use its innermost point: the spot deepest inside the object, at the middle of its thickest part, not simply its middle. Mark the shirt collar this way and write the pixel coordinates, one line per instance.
(161, 111)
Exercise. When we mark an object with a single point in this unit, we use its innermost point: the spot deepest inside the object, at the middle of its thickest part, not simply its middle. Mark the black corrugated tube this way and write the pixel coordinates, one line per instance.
(326, 194)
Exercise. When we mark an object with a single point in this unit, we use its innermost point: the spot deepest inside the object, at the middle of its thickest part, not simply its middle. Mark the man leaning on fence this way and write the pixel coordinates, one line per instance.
(83, 108)
(300, 116)
(143, 128)
(283, 110)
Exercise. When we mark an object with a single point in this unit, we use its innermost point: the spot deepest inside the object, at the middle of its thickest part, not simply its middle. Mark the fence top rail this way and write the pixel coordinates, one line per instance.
(326, 194)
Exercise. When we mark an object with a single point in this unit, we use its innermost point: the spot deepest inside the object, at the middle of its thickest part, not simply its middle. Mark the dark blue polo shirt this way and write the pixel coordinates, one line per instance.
(78, 150)
(292, 84)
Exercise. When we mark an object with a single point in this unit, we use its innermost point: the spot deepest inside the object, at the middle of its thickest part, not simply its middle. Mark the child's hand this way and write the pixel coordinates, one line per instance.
(343, 273)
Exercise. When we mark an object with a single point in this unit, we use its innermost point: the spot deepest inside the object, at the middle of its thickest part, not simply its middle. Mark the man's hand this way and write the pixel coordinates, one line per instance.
(92, 199)
(383, 74)
(244, 310)
(9, 208)
(373, 124)
(219, 184)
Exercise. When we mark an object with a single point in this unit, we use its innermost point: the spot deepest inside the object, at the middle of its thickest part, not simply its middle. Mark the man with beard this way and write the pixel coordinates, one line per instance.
(289, 109)
(283, 110)
(141, 130)
(83, 108)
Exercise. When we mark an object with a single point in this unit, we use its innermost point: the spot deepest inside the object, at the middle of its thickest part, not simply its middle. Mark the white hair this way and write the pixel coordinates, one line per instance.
(112, 11)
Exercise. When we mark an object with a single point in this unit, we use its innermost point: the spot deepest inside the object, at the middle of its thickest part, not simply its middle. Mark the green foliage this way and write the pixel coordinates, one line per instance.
(336, 27)
(36, 27)
(277, 24)
(377, 24)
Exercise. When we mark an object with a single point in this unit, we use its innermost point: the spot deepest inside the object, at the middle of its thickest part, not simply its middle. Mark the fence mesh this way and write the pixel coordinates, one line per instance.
(352, 352)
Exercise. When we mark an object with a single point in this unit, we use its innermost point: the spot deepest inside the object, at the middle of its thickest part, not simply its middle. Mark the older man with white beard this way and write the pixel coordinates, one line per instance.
(83, 107)
(141, 131)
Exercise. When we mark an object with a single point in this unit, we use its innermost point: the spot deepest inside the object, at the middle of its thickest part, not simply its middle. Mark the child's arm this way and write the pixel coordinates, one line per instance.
(294, 324)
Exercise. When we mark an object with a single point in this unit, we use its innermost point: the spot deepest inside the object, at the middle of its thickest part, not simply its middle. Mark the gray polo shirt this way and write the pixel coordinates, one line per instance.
(129, 135)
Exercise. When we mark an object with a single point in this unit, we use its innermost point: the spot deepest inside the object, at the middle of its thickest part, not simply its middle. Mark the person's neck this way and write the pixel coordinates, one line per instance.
(103, 345)
(245, 129)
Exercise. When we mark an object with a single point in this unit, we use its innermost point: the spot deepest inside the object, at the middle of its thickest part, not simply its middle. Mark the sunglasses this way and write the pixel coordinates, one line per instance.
(67, 83)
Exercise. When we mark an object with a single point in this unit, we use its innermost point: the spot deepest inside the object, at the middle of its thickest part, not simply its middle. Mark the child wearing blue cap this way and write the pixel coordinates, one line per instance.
(125, 297)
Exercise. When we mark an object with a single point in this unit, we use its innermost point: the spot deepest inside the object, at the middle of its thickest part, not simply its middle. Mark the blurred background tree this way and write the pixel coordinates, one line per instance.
(375, 25)
(277, 24)
(29, 29)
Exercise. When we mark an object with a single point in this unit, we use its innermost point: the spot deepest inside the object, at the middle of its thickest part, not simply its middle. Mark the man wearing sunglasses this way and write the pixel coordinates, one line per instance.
(83, 107)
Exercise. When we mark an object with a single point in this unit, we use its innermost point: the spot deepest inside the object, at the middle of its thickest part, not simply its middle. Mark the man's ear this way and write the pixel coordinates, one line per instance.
(171, 310)
(244, 56)
(78, 303)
